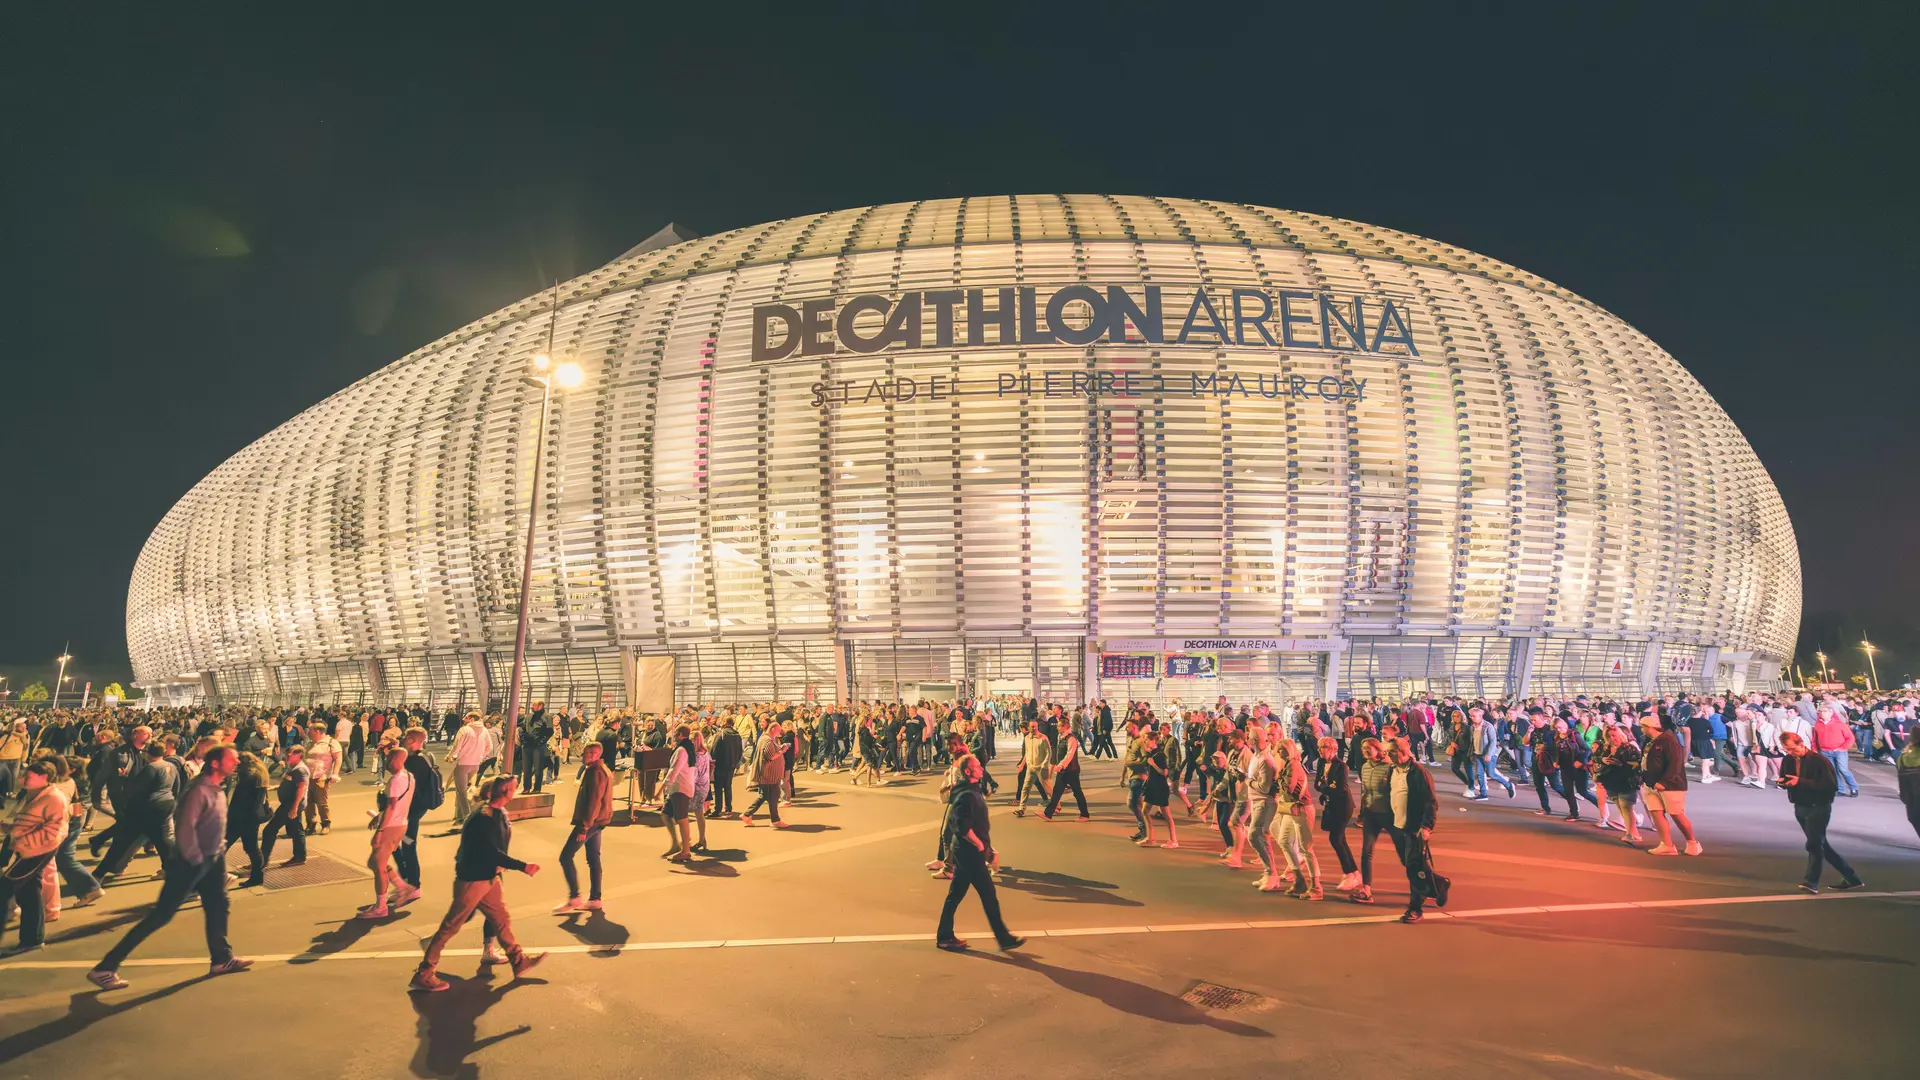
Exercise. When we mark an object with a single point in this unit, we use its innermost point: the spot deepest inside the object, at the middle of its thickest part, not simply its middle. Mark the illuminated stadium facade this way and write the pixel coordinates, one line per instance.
(1072, 445)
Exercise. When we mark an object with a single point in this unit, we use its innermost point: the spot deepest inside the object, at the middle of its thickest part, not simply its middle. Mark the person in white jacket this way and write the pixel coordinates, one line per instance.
(471, 746)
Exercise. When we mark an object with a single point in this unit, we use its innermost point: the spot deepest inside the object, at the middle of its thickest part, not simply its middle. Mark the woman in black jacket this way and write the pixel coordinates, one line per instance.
(246, 812)
(1336, 807)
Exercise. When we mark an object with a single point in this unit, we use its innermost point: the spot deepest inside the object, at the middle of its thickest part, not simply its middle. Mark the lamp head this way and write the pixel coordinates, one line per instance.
(541, 362)
(568, 375)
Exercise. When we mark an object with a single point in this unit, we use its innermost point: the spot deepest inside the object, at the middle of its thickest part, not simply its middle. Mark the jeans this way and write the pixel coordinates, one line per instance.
(1137, 801)
(970, 871)
(1064, 782)
(1297, 846)
(1372, 824)
(283, 819)
(462, 783)
(1413, 852)
(406, 857)
(1813, 821)
(209, 880)
(21, 883)
(1337, 838)
(723, 791)
(1841, 769)
(154, 827)
(68, 863)
(768, 794)
(1490, 766)
(1258, 832)
(589, 839)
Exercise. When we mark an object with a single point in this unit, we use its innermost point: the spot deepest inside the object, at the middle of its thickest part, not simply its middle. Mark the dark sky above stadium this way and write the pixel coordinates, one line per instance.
(212, 224)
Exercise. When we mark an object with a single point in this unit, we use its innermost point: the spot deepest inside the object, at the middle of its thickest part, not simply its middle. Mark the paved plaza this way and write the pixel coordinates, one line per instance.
(808, 952)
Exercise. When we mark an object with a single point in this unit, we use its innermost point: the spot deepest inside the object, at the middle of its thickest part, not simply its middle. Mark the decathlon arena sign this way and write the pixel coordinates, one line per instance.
(1030, 316)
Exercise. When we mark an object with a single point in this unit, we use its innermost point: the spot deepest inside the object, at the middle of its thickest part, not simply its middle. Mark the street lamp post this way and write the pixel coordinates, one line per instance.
(62, 679)
(1822, 657)
(567, 375)
(1873, 682)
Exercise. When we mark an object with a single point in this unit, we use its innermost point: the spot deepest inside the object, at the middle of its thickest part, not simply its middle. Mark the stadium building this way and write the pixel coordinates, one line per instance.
(1069, 445)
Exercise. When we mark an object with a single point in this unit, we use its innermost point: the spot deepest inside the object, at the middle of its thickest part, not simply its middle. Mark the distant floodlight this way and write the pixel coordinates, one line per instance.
(568, 375)
(541, 362)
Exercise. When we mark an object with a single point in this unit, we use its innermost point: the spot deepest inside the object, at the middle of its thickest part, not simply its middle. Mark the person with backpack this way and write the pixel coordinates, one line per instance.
(430, 792)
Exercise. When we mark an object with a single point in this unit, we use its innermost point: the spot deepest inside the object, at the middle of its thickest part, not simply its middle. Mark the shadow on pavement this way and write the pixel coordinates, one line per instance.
(117, 919)
(1680, 932)
(87, 1009)
(342, 937)
(1124, 996)
(725, 854)
(596, 929)
(812, 827)
(450, 1020)
(1063, 888)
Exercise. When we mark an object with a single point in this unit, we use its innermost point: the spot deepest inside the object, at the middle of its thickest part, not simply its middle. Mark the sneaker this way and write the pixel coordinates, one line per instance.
(376, 911)
(594, 905)
(1083, 818)
(1849, 886)
(1811, 890)
(106, 980)
(572, 905)
(1349, 883)
(1170, 845)
(1571, 817)
(22, 950)
(943, 875)
(229, 966)
(89, 898)
(1011, 944)
(405, 895)
(1272, 885)
(294, 862)
(952, 945)
(782, 824)
(1137, 837)
(1314, 893)
(1631, 840)
(747, 821)
(1021, 812)
(1663, 849)
(1361, 895)
(1411, 917)
(1234, 863)
(528, 961)
(1694, 848)
(1145, 842)
(493, 953)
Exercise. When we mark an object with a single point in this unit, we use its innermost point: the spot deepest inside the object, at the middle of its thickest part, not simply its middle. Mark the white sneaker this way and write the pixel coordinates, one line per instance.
(1694, 848)
(493, 953)
(1348, 883)
(595, 905)
(405, 895)
(377, 911)
(1169, 845)
(572, 904)
(935, 864)
(1272, 885)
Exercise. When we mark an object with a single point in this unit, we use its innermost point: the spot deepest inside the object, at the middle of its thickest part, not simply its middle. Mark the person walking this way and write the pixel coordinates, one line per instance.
(676, 797)
(1292, 812)
(1066, 774)
(727, 752)
(1376, 811)
(1035, 761)
(389, 825)
(1811, 786)
(196, 865)
(1410, 794)
(246, 812)
(970, 842)
(293, 796)
(38, 829)
(323, 757)
(592, 813)
(484, 840)
(428, 793)
(1336, 806)
(769, 765)
(1617, 766)
(469, 750)
(1663, 785)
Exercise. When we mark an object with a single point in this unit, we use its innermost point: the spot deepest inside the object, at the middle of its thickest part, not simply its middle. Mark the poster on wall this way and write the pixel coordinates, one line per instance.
(1128, 666)
(1193, 666)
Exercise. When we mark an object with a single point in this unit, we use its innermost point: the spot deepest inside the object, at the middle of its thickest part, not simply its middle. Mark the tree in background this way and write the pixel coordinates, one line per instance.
(34, 692)
(115, 691)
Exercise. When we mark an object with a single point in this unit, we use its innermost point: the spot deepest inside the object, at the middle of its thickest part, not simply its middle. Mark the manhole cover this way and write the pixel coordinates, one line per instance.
(1208, 995)
(319, 869)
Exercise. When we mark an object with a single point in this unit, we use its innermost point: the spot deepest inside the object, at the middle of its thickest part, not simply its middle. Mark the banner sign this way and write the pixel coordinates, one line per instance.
(1193, 666)
(1128, 666)
(1224, 644)
(1082, 314)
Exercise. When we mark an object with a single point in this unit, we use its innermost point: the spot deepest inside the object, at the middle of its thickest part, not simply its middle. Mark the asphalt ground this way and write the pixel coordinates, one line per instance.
(808, 952)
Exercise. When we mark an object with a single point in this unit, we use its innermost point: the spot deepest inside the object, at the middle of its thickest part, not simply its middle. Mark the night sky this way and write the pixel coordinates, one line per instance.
(211, 226)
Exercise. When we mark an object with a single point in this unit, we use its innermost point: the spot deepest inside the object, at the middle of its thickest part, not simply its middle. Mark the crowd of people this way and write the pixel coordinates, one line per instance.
(185, 785)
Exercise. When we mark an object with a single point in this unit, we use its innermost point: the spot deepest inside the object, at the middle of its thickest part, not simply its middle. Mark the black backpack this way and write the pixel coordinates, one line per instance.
(436, 792)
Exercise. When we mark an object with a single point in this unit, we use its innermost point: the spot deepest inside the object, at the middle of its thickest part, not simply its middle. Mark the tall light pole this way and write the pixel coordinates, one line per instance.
(61, 680)
(547, 374)
(1873, 683)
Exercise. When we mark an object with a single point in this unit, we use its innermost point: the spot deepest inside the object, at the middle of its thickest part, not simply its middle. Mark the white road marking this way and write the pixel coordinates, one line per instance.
(413, 955)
